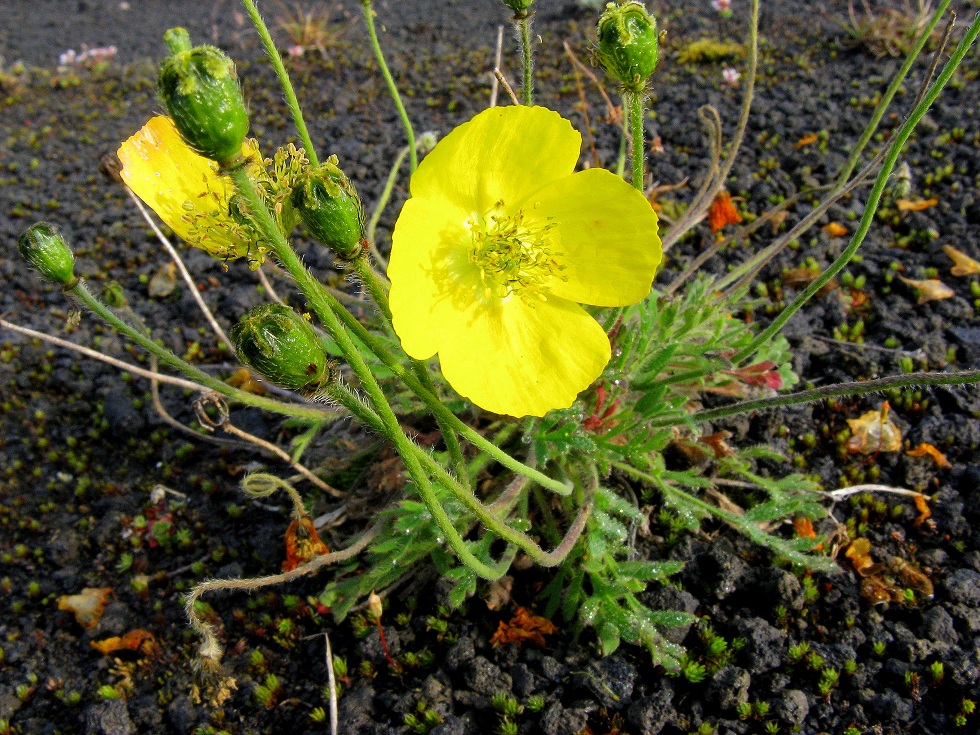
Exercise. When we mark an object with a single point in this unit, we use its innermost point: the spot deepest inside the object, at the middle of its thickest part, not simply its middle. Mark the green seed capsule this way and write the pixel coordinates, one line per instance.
(628, 44)
(200, 90)
(281, 345)
(331, 210)
(43, 247)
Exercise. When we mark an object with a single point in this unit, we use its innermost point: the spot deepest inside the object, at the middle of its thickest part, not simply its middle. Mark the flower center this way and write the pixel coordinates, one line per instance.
(513, 256)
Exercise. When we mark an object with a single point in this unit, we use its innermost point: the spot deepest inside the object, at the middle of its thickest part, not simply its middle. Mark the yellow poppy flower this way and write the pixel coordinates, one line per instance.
(186, 191)
(497, 247)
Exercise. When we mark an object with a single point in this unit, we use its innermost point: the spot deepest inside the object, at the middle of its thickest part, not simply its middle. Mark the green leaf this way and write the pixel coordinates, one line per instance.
(649, 570)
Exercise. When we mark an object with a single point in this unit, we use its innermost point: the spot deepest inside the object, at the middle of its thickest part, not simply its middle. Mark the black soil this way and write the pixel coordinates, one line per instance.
(82, 449)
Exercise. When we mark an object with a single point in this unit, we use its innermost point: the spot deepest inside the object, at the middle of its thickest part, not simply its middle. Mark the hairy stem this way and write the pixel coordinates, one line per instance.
(633, 102)
(834, 391)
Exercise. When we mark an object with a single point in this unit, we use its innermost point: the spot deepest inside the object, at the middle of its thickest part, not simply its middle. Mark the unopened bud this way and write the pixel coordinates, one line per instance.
(628, 44)
(281, 345)
(45, 250)
(331, 210)
(200, 90)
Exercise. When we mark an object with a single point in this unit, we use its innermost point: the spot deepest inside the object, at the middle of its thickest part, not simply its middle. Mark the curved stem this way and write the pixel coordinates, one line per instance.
(80, 291)
(287, 86)
(872, 204)
(392, 88)
(634, 104)
(965, 377)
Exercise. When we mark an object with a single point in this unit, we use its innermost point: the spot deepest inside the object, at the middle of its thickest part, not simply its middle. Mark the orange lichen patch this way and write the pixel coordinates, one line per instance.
(87, 606)
(922, 505)
(806, 140)
(964, 265)
(244, 380)
(930, 289)
(135, 640)
(938, 457)
(722, 212)
(804, 527)
(874, 432)
(915, 205)
(523, 627)
(859, 552)
(302, 543)
(834, 229)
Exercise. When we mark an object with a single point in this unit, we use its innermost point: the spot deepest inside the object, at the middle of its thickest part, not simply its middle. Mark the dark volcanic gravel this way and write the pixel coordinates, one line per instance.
(81, 449)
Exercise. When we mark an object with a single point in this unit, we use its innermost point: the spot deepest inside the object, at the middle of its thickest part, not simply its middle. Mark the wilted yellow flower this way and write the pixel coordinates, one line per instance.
(497, 247)
(186, 190)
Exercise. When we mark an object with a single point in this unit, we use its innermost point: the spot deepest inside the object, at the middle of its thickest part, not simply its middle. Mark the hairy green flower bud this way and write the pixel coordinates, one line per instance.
(200, 90)
(45, 249)
(628, 44)
(518, 6)
(282, 346)
(331, 210)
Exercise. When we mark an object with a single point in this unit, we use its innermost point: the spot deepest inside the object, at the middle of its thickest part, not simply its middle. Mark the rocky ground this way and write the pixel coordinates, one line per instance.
(82, 449)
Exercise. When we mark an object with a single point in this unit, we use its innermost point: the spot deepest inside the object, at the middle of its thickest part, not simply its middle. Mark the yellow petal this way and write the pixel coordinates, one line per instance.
(431, 277)
(522, 357)
(162, 171)
(186, 191)
(502, 154)
(606, 235)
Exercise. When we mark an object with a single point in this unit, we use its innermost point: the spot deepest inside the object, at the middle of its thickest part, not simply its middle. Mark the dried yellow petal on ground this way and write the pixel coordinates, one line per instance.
(929, 289)
(874, 432)
(964, 265)
(87, 605)
(915, 205)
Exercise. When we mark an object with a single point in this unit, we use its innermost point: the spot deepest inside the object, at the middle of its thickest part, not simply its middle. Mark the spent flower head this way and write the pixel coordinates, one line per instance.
(187, 192)
(495, 250)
